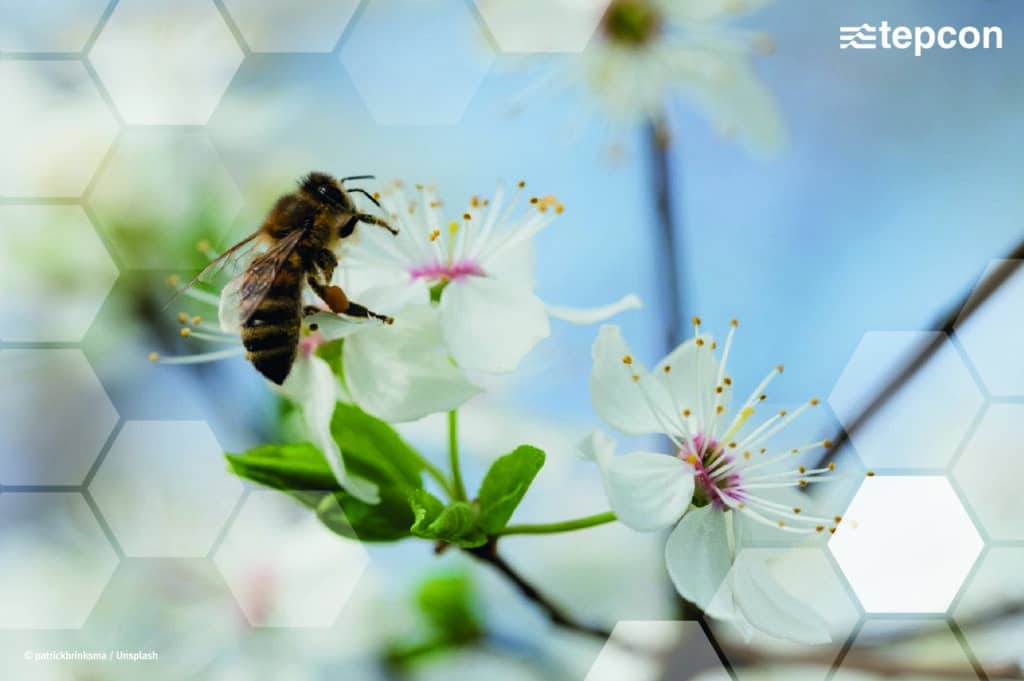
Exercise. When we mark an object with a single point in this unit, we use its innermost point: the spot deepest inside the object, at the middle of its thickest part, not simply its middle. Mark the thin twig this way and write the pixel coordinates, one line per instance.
(960, 311)
(668, 245)
(489, 554)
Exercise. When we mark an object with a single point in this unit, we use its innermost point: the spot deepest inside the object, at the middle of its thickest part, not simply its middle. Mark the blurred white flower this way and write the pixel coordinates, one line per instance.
(716, 481)
(478, 270)
(645, 52)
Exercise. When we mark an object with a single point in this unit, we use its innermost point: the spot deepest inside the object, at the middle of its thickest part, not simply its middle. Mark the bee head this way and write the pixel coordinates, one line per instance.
(323, 188)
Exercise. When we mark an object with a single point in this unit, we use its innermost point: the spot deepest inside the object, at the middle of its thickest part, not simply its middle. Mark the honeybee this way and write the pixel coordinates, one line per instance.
(300, 233)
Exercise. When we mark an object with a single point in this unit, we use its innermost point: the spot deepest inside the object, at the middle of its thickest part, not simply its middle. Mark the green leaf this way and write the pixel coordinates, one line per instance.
(505, 485)
(454, 524)
(376, 445)
(371, 449)
(448, 603)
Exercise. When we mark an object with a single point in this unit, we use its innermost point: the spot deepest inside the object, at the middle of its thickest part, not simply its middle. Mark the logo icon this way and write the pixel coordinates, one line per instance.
(863, 37)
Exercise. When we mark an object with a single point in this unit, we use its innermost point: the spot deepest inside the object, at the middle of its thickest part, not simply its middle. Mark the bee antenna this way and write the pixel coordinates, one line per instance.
(358, 177)
(367, 194)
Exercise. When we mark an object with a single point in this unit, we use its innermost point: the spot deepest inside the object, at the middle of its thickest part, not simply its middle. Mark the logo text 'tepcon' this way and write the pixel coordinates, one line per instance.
(921, 38)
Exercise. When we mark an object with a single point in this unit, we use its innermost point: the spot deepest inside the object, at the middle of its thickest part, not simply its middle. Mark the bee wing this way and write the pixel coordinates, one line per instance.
(229, 259)
(241, 297)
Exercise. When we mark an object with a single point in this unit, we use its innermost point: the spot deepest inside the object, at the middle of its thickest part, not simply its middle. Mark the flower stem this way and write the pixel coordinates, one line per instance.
(438, 475)
(564, 526)
(458, 488)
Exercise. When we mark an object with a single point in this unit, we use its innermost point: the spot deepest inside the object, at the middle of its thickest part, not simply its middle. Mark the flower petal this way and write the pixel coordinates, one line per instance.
(690, 381)
(313, 386)
(403, 372)
(700, 11)
(647, 491)
(617, 398)
(697, 554)
(770, 608)
(593, 315)
(596, 447)
(490, 325)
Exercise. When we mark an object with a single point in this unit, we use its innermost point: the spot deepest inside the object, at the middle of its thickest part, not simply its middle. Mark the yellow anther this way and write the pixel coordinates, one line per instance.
(735, 322)
(636, 377)
(475, 201)
(838, 519)
(782, 412)
(718, 390)
(803, 483)
(376, 195)
(796, 509)
(819, 528)
(696, 321)
(467, 216)
(746, 454)
(522, 183)
(559, 209)
(762, 397)
(453, 227)
(173, 281)
(719, 409)
(803, 469)
(534, 200)
(434, 234)
(186, 332)
(871, 474)
(203, 246)
(627, 359)
(714, 344)
(686, 413)
(182, 318)
(779, 368)
(700, 342)
(815, 402)
(782, 524)
(732, 445)
(692, 459)
(196, 320)
(154, 357)
(667, 368)
(827, 444)
(831, 466)
(727, 380)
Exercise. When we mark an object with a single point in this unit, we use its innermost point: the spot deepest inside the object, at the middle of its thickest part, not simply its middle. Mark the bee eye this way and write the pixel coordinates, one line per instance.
(323, 190)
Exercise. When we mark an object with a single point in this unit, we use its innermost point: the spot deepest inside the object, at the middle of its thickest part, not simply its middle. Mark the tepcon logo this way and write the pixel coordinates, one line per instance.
(921, 38)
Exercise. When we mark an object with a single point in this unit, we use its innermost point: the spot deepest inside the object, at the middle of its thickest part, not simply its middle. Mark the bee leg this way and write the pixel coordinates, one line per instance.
(374, 220)
(326, 261)
(340, 304)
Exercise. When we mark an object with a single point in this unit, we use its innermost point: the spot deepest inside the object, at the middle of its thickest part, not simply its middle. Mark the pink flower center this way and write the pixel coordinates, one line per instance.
(447, 271)
(309, 344)
(713, 477)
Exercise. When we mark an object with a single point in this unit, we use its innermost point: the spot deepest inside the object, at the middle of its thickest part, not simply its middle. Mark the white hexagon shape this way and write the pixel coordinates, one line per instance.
(641, 651)
(906, 544)
(431, 78)
(283, 26)
(166, 62)
(54, 128)
(992, 336)
(55, 272)
(990, 469)
(50, 26)
(542, 25)
(284, 567)
(161, 192)
(995, 588)
(922, 425)
(164, 490)
(55, 560)
(808, 576)
(54, 418)
(923, 650)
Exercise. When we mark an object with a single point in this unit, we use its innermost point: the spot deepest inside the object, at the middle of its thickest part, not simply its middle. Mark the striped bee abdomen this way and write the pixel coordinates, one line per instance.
(271, 334)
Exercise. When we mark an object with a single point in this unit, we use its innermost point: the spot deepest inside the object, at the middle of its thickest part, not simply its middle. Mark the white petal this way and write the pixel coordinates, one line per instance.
(770, 608)
(593, 315)
(691, 381)
(617, 398)
(333, 326)
(403, 372)
(313, 386)
(647, 491)
(596, 447)
(515, 266)
(701, 11)
(697, 554)
(390, 299)
(490, 325)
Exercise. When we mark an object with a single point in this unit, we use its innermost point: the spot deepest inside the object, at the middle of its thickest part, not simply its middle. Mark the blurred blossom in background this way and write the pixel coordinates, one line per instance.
(132, 131)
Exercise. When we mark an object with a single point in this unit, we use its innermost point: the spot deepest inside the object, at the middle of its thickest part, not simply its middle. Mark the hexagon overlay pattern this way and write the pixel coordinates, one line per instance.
(284, 567)
(542, 25)
(164, 490)
(50, 26)
(925, 422)
(995, 586)
(54, 558)
(284, 26)
(54, 128)
(810, 577)
(906, 544)
(993, 336)
(54, 424)
(166, 62)
(933, 647)
(644, 650)
(54, 271)
(430, 81)
(142, 205)
(990, 470)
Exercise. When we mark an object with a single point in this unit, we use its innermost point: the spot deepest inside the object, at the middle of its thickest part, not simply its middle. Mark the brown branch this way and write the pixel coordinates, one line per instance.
(657, 146)
(488, 553)
(961, 310)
